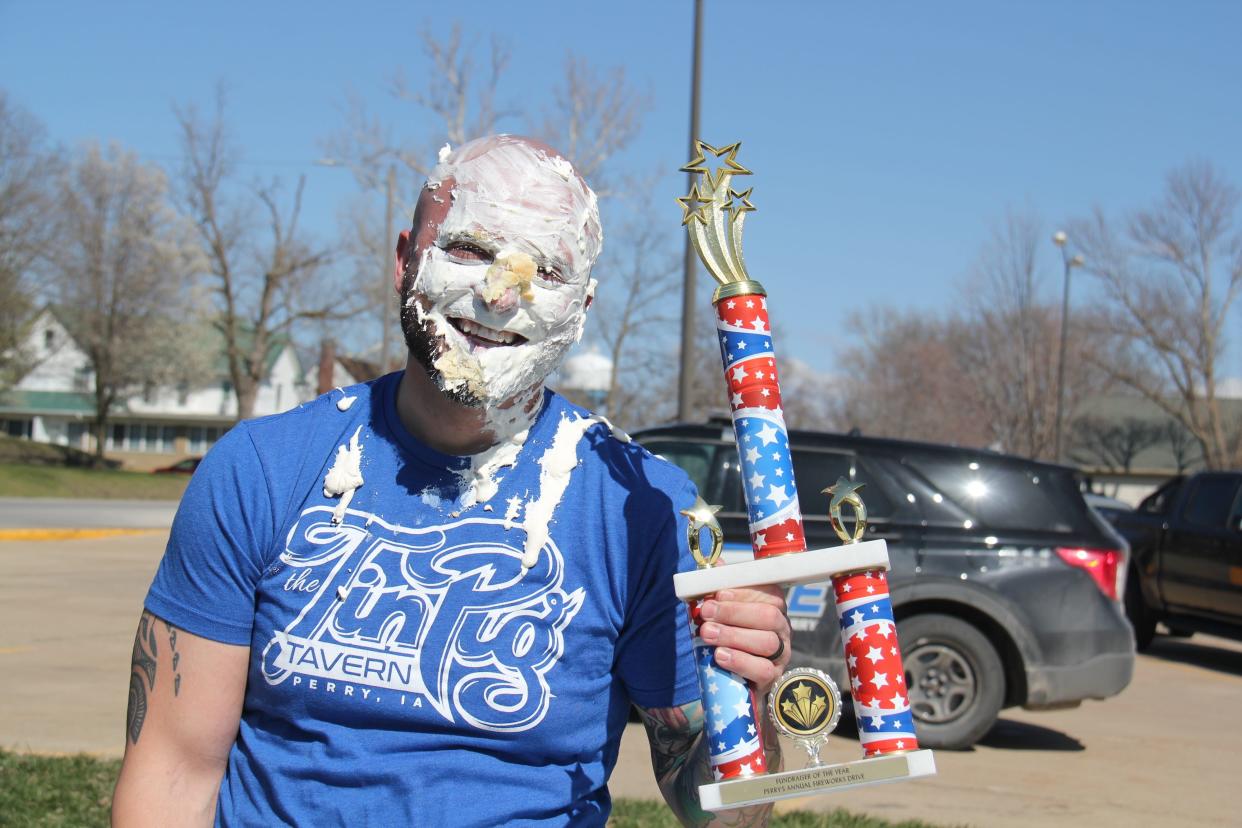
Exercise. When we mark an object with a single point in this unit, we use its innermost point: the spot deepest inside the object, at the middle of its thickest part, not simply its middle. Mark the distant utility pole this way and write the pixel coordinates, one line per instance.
(690, 268)
(386, 242)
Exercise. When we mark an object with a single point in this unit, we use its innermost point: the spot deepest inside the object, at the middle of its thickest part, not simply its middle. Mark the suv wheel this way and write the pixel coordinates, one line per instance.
(954, 678)
(1140, 617)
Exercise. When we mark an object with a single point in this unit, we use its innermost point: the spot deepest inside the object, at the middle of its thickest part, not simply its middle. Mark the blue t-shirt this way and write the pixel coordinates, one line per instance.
(405, 669)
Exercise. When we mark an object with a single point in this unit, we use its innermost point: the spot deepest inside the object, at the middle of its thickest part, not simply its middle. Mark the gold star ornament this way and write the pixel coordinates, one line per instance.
(698, 164)
(845, 493)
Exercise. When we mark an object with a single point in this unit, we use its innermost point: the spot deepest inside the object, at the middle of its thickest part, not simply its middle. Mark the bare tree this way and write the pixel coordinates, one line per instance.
(595, 115)
(631, 315)
(1111, 442)
(1008, 341)
(808, 397)
(266, 275)
(1170, 275)
(1182, 444)
(903, 379)
(1009, 346)
(124, 276)
(27, 176)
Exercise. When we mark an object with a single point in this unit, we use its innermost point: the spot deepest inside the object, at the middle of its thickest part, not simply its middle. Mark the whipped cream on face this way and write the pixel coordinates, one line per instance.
(345, 476)
(508, 315)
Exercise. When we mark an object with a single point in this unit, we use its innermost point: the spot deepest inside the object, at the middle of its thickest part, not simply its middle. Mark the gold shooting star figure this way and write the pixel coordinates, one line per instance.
(714, 216)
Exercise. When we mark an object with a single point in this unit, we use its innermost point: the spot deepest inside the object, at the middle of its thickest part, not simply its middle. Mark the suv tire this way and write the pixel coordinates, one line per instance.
(954, 678)
(1140, 617)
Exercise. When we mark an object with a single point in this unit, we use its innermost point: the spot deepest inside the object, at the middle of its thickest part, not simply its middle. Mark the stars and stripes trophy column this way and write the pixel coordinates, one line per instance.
(803, 701)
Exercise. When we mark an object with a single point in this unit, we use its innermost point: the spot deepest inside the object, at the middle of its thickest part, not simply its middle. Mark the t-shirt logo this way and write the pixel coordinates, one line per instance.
(444, 612)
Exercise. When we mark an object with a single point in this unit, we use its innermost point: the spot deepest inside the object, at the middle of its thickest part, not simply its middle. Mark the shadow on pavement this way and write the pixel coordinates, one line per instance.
(1008, 734)
(1188, 651)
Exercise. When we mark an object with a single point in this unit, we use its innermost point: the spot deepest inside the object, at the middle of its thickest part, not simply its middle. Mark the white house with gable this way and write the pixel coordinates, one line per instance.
(54, 402)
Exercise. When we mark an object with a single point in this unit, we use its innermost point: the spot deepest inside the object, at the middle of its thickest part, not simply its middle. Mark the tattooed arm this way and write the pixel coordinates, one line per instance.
(746, 625)
(185, 701)
(679, 755)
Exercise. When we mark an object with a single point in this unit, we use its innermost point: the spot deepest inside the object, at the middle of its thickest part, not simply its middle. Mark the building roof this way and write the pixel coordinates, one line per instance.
(47, 402)
(1132, 411)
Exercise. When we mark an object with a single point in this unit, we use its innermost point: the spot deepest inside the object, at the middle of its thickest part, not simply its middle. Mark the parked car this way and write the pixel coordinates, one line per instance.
(1109, 507)
(186, 466)
(1006, 587)
(1186, 566)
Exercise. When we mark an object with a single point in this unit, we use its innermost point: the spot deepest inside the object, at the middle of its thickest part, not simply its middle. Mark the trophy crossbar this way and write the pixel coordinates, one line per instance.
(806, 567)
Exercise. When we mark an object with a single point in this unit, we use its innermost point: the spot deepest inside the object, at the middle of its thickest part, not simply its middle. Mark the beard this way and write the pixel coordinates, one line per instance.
(424, 346)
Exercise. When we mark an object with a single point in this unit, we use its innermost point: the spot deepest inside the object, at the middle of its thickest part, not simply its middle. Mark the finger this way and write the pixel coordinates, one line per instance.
(750, 615)
(766, 594)
(761, 672)
(763, 643)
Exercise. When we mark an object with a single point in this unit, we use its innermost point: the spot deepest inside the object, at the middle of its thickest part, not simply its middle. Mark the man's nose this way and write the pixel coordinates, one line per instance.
(496, 296)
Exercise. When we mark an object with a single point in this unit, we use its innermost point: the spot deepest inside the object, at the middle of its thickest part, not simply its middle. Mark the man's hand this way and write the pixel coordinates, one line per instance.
(748, 626)
(185, 701)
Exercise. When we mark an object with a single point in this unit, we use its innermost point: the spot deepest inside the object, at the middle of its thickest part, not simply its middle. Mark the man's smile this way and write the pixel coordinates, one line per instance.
(483, 336)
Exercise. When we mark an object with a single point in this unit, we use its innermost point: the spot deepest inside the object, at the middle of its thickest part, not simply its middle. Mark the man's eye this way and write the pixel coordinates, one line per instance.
(467, 252)
(551, 274)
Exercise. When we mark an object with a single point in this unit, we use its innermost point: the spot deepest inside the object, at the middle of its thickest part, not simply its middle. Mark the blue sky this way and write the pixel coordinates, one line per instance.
(886, 138)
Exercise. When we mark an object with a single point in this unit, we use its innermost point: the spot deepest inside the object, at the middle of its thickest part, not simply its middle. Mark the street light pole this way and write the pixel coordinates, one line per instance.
(386, 267)
(686, 371)
(1059, 239)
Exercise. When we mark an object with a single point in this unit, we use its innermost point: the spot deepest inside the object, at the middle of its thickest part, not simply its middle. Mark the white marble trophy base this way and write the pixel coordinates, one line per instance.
(794, 568)
(769, 787)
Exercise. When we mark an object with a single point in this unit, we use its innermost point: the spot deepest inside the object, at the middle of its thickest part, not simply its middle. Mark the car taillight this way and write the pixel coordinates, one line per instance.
(1105, 566)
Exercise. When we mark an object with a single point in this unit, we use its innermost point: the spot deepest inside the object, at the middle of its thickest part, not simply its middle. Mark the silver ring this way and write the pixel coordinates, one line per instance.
(780, 649)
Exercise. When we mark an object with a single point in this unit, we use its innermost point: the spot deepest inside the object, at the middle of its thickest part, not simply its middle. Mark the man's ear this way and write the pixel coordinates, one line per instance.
(404, 250)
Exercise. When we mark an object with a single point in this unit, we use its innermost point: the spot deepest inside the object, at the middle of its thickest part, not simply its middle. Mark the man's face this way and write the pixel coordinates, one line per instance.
(496, 287)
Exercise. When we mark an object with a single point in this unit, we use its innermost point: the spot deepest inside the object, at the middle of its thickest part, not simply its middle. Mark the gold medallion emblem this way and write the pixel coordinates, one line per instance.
(805, 705)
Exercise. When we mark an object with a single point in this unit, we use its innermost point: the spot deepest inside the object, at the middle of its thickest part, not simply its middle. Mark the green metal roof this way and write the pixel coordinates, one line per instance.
(47, 402)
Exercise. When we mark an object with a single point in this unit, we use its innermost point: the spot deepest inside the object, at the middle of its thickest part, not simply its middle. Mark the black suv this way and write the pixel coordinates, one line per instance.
(1005, 585)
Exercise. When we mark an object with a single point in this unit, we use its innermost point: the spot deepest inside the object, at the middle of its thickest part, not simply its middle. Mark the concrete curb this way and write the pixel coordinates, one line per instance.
(69, 534)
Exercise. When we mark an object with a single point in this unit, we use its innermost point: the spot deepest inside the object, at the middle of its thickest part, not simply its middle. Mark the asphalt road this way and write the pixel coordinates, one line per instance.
(1163, 753)
(54, 513)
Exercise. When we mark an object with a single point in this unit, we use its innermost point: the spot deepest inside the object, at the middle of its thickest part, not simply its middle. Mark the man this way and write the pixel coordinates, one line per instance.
(431, 599)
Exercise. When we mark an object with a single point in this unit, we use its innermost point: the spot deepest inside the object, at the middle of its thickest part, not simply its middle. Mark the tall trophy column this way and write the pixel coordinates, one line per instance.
(714, 214)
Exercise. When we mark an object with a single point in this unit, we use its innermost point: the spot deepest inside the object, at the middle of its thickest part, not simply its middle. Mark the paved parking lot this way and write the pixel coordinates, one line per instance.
(1162, 753)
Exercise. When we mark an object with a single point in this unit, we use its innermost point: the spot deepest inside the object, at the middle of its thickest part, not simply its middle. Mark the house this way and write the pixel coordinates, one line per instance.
(54, 401)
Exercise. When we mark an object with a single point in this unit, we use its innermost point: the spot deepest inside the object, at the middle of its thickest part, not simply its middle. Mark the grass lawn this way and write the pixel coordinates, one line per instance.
(31, 480)
(45, 791)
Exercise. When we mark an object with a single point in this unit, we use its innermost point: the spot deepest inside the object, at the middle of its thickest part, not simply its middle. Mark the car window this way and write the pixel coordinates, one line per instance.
(817, 470)
(696, 459)
(1158, 502)
(1005, 495)
(1210, 501)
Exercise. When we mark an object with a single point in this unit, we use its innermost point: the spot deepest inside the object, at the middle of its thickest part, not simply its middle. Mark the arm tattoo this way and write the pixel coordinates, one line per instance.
(141, 676)
(176, 657)
(681, 764)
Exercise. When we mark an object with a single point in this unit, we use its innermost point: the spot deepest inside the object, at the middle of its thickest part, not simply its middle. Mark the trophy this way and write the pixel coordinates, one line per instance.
(804, 704)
